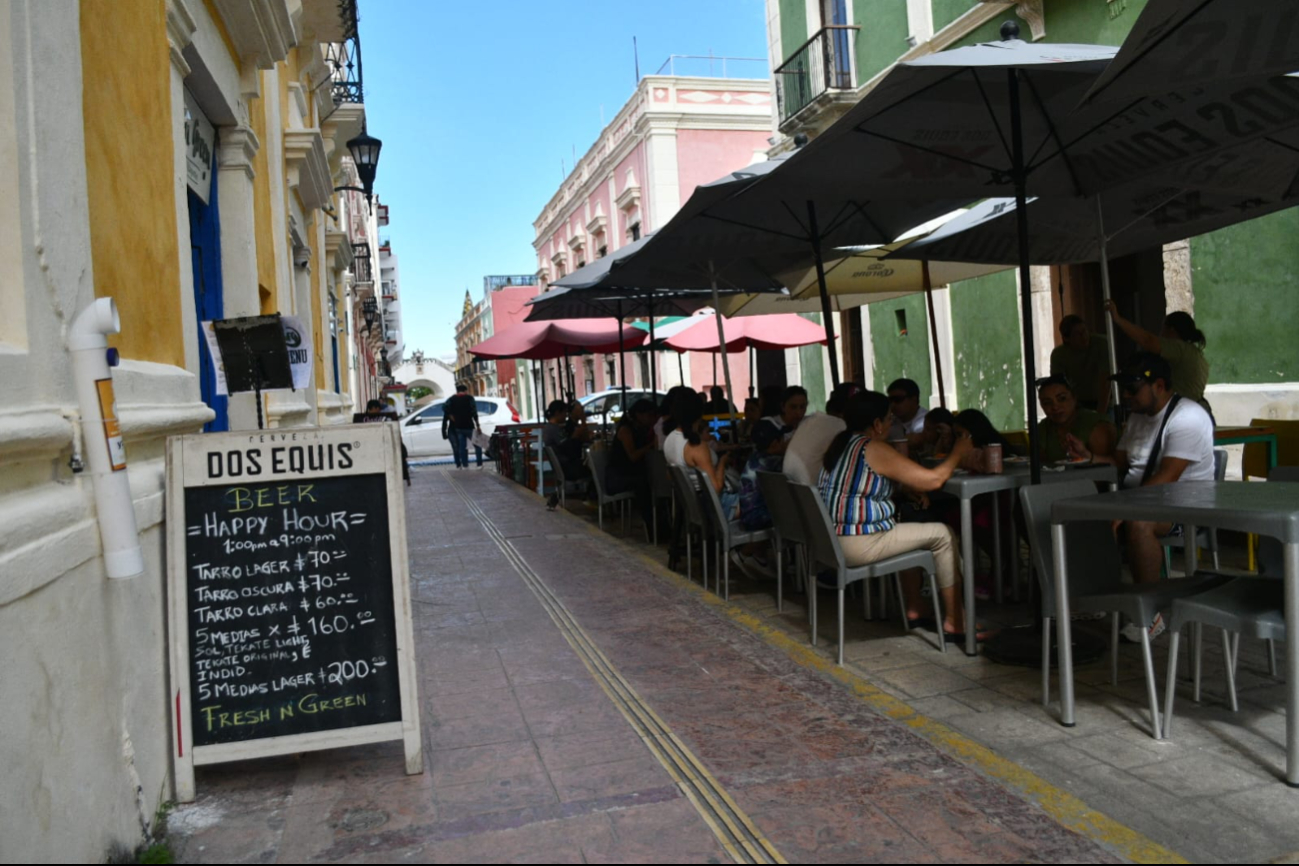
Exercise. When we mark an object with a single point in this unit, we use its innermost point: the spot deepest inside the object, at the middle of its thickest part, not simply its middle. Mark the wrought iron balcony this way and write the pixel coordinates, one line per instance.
(344, 58)
(820, 64)
(361, 269)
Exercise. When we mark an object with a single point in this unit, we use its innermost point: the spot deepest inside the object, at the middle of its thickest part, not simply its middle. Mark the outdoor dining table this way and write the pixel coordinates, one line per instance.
(967, 486)
(1266, 509)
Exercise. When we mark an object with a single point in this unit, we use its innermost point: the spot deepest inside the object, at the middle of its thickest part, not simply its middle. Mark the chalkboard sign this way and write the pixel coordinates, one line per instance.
(290, 610)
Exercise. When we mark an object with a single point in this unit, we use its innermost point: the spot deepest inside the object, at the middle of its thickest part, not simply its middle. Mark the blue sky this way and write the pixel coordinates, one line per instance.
(478, 103)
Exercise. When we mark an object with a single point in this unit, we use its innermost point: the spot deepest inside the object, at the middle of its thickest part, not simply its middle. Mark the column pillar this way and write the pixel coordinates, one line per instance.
(236, 148)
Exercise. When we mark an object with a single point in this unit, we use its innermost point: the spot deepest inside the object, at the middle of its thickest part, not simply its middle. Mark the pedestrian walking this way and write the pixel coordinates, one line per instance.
(459, 421)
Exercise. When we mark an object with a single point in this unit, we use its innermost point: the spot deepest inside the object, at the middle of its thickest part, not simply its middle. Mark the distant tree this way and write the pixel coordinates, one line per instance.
(417, 393)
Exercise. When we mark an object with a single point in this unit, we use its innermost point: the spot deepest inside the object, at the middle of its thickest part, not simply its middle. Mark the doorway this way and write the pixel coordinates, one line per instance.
(205, 259)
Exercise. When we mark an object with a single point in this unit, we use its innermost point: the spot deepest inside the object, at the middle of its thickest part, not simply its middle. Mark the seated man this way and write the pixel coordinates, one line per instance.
(1066, 416)
(1167, 439)
(808, 445)
(908, 414)
(565, 435)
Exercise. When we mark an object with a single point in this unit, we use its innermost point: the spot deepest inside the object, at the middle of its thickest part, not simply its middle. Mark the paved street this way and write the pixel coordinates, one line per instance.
(583, 704)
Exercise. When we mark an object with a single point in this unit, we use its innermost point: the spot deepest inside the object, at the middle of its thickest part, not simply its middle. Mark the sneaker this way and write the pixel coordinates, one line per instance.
(1132, 632)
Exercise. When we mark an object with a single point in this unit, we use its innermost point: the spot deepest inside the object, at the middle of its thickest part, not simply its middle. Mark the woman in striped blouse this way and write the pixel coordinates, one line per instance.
(861, 475)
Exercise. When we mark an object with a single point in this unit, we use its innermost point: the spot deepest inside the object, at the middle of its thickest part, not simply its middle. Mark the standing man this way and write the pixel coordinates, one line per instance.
(908, 414)
(1083, 359)
(1168, 438)
(460, 420)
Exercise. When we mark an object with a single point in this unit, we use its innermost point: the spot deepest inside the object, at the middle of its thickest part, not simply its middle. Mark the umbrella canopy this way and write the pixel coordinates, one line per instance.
(1136, 216)
(944, 125)
(867, 275)
(540, 341)
(567, 303)
(753, 332)
(1177, 44)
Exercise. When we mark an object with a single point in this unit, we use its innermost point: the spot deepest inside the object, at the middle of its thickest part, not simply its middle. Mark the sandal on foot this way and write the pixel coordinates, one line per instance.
(914, 622)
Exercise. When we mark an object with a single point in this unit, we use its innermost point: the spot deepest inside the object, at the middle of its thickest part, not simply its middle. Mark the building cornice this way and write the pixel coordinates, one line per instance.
(338, 248)
(262, 30)
(304, 155)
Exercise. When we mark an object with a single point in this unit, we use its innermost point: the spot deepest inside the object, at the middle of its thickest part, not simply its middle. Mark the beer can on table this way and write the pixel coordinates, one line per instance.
(992, 458)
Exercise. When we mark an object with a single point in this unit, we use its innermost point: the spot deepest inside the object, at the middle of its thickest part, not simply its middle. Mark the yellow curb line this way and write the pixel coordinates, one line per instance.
(1065, 808)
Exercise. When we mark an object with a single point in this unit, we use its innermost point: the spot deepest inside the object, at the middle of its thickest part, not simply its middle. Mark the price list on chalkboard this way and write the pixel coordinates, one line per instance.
(289, 586)
(291, 610)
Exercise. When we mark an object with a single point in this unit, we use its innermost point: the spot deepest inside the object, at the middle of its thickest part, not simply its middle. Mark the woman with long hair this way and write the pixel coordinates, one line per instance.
(1180, 343)
(861, 475)
(770, 441)
(688, 447)
(626, 470)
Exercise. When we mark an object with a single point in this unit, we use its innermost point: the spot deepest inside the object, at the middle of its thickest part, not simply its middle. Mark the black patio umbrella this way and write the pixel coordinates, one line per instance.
(1240, 184)
(1002, 119)
(1178, 44)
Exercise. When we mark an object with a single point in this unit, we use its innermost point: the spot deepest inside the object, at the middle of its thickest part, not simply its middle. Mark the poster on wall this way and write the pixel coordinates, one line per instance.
(295, 337)
(290, 609)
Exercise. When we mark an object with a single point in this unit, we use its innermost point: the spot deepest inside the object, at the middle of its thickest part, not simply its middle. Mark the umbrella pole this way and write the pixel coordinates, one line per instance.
(568, 375)
(1025, 282)
(753, 371)
(541, 410)
(681, 368)
(721, 347)
(826, 312)
(654, 359)
(933, 334)
(1105, 293)
(622, 360)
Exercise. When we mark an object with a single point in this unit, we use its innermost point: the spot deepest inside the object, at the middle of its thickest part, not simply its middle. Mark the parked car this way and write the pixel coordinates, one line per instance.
(421, 431)
(606, 407)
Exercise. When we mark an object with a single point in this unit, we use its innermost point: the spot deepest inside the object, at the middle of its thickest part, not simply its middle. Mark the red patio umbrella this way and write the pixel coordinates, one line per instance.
(779, 331)
(559, 338)
(543, 341)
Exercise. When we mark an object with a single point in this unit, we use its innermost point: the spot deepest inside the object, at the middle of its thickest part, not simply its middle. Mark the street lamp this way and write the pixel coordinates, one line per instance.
(370, 309)
(365, 153)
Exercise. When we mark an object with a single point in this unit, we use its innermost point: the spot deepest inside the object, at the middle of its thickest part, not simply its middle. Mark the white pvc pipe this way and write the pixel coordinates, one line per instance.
(102, 438)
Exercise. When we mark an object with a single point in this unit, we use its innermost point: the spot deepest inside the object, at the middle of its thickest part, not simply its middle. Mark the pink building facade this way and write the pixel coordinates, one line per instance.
(509, 307)
(675, 133)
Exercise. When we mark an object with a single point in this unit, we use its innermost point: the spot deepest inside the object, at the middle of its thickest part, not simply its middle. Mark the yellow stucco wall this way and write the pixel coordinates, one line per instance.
(266, 273)
(126, 105)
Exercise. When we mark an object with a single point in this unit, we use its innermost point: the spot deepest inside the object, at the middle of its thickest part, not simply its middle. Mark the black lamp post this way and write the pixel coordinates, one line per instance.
(384, 368)
(365, 154)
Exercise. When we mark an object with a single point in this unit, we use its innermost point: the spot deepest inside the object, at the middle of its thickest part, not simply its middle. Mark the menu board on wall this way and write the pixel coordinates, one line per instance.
(290, 612)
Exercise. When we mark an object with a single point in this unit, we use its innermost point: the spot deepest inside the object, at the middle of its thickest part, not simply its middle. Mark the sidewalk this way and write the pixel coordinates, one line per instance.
(583, 705)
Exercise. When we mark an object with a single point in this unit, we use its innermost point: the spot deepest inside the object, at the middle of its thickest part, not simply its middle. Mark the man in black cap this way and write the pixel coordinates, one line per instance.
(1167, 439)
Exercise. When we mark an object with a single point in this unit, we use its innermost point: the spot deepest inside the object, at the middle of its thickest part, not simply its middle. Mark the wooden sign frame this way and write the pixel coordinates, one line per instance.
(371, 449)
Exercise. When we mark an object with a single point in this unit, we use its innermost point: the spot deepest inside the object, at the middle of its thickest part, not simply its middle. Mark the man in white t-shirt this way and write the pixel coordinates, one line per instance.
(812, 438)
(1167, 439)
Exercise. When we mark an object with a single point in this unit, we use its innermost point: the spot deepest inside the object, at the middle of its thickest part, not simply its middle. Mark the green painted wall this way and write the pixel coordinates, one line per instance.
(1245, 302)
(793, 26)
(987, 349)
(947, 11)
(883, 35)
(896, 356)
(1090, 23)
(812, 369)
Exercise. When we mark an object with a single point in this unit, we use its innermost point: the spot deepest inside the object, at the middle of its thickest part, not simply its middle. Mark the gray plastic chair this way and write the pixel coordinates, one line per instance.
(727, 534)
(786, 526)
(823, 549)
(597, 459)
(1249, 606)
(656, 468)
(1204, 537)
(1253, 606)
(1095, 581)
(692, 513)
(557, 469)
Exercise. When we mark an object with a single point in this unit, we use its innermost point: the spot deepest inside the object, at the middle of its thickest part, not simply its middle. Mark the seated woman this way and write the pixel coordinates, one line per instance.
(770, 440)
(688, 447)
(861, 474)
(938, 434)
(626, 469)
(1065, 417)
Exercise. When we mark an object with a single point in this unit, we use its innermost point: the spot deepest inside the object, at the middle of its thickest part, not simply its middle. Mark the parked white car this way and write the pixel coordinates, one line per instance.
(606, 407)
(421, 431)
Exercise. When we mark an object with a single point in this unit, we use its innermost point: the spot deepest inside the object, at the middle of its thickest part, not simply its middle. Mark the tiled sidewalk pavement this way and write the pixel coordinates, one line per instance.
(529, 760)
